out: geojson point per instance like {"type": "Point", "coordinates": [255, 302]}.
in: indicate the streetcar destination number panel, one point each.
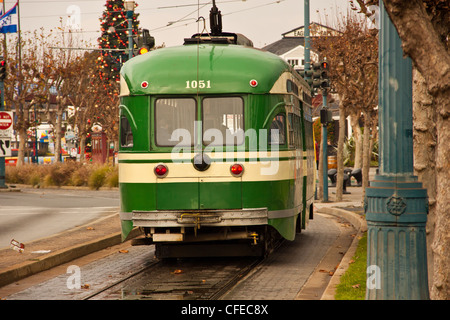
{"type": "Point", "coordinates": [201, 84]}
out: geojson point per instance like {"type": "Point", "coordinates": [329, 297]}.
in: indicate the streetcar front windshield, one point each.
{"type": "Point", "coordinates": [126, 134]}
{"type": "Point", "coordinates": [223, 121]}
{"type": "Point", "coordinates": [174, 122]}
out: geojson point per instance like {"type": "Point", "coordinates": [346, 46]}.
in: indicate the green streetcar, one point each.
{"type": "Point", "coordinates": [216, 148]}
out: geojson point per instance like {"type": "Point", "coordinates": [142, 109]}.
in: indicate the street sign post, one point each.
{"type": "Point", "coordinates": [5, 123]}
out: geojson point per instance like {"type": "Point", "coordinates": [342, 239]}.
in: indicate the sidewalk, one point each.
{"type": "Point", "coordinates": [351, 209]}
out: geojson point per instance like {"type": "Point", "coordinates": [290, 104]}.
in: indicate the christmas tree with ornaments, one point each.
{"type": "Point", "coordinates": [114, 28]}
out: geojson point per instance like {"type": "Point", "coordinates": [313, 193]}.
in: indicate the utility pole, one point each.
{"type": "Point", "coordinates": [307, 38]}
{"type": "Point", "coordinates": [325, 118]}
{"type": "Point", "coordinates": [325, 145]}
{"type": "Point", "coordinates": [396, 205]}
{"type": "Point", "coordinates": [310, 78]}
{"type": "Point", "coordinates": [129, 7]}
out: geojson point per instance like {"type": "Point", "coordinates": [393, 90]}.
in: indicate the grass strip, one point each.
{"type": "Point", "coordinates": [353, 281]}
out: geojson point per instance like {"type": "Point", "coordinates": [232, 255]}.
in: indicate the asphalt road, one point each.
{"type": "Point", "coordinates": [36, 213]}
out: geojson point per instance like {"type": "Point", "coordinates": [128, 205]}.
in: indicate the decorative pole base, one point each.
{"type": "Point", "coordinates": [396, 213]}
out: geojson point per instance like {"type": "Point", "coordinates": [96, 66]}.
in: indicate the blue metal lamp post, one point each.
{"type": "Point", "coordinates": [396, 204]}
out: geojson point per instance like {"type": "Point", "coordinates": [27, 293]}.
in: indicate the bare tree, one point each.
{"type": "Point", "coordinates": [107, 112]}
{"type": "Point", "coordinates": [353, 55]}
{"type": "Point", "coordinates": [61, 72]}
{"type": "Point", "coordinates": [25, 87]}
{"type": "Point", "coordinates": [84, 95]}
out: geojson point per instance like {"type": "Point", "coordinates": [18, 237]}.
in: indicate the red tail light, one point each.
{"type": "Point", "coordinates": [161, 170]}
{"type": "Point", "coordinates": [237, 170]}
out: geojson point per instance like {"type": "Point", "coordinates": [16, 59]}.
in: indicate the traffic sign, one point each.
{"type": "Point", "coordinates": [5, 120]}
{"type": "Point", "coordinates": [6, 127]}
{"type": "Point", "coordinates": [5, 147]}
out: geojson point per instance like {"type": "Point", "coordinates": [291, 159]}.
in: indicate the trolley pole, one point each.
{"type": "Point", "coordinates": [396, 205]}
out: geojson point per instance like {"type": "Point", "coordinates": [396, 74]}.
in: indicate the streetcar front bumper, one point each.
{"type": "Point", "coordinates": [197, 218]}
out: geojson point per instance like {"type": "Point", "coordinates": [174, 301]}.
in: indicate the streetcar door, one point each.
{"type": "Point", "coordinates": [222, 138]}
{"type": "Point", "coordinates": [174, 128]}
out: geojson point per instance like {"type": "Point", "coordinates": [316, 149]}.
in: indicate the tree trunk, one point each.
{"type": "Point", "coordinates": [320, 174]}
{"type": "Point", "coordinates": [441, 244]}
{"type": "Point", "coordinates": [58, 133]}
{"type": "Point", "coordinates": [357, 135]}
{"type": "Point", "coordinates": [424, 133]}
{"type": "Point", "coordinates": [82, 147]}
{"type": "Point", "coordinates": [366, 155]}
{"type": "Point", "coordinates": [22, 128]}
{"type": "Point", "coordinates": [108, 141]}
{"type": "Point", "coordinates": [372, 138]}
{"type": "Point", "coordinates": [22, 145]}
{"type": "Point", "coordinates": [340, 158]}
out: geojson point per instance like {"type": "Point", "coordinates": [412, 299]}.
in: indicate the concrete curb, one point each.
{"type": "Point", "coordinates": [26, 269]}
{"type": "Point", "coordinates": [360, 224]}
{"type": "Point", "coordinates": [9, 189]}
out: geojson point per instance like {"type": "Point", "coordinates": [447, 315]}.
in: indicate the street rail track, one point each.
{"type": "Point", "coordinates": [186, 279]}
{"type": "Point", "coordinates": [98, 292]}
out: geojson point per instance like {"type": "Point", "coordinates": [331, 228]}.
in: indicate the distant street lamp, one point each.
{"type": "Point", "coordinates": [129, 7]}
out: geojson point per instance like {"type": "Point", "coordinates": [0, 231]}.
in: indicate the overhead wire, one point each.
{"type": "Point", "coordinates": [171, 25]}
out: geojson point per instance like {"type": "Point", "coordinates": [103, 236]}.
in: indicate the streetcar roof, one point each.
{"type": "Point", "coordinates": [202, 69]}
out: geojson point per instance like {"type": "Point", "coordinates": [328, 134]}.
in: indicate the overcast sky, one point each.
{"type": "Point", "coordinates": [263, 21]}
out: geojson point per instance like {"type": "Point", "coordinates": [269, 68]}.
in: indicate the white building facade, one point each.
{"type": "Point", "coordinates": [291, 46]}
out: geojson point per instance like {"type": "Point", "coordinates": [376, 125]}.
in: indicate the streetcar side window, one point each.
{"type": "Point", "coordinates": [291, 127]}
{"type": "Point", "coordinates": [174, 122]}
{"type": "Point", "coordinates": [126, 134]}
{"type": "Point", "coordinates": [223, 121]}
{"type": "Point", "coordinates": [277, 133]}
{"type": "Point", "coordinates": [298, 133]}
